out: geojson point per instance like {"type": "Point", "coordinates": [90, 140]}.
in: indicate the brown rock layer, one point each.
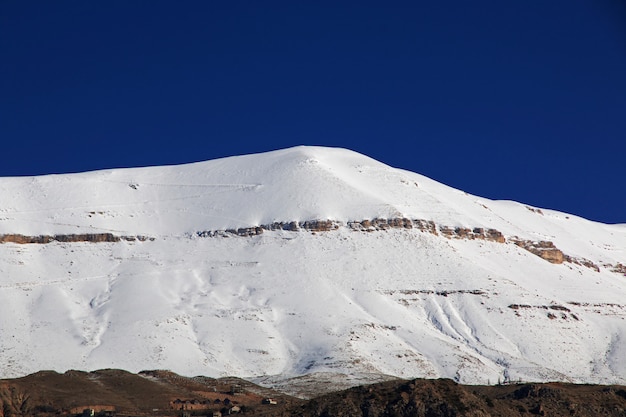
{"type": "Point", "coordinates": [85, 237]}
{"type": "Point", "coordinates": [377, 224]}
{"type": "Point", "coordinates": [544, 249]}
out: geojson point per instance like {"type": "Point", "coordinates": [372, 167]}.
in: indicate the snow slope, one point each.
{"type": "Point", "coordinates": [283, 303]}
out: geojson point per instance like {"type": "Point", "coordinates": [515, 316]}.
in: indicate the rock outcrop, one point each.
{"type": "Point", "coordinates": [619, 268]}
{"type": "Point", "coordinates": [472, 234]}
{"type": "Point", "coordinates": [582, 261]}
{"type": "Point", "coordinates": [544, 249]}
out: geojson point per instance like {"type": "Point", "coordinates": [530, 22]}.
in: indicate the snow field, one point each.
{"type": "Point", "coordinates": [284, 304]}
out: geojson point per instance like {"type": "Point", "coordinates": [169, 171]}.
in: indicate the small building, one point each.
{"type": "Point", "coordinates": [269, 401]}
{"type": "Point", "coordinates": [92, 409]}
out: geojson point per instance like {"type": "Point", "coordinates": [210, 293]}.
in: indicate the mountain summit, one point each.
{"type": "Point", "coordinates": [307, 260]}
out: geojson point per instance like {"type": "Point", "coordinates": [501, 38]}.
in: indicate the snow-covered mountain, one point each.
{"type": "Point", "coordinates": [300, 261]}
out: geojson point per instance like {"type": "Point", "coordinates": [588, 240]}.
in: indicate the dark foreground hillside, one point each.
{"type": "Point", "coordinates": [162, 393]}
{"type": "Point", "coordinates": [112, 392]}
{"type": "Point", "coordinates": [445, 398]}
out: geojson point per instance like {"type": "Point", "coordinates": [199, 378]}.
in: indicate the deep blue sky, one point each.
{"type": "Point", "coordinates": [521, 100]}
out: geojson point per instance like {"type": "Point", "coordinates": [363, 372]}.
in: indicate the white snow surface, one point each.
{"type": "Point", "coordinates": [282, 304]}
